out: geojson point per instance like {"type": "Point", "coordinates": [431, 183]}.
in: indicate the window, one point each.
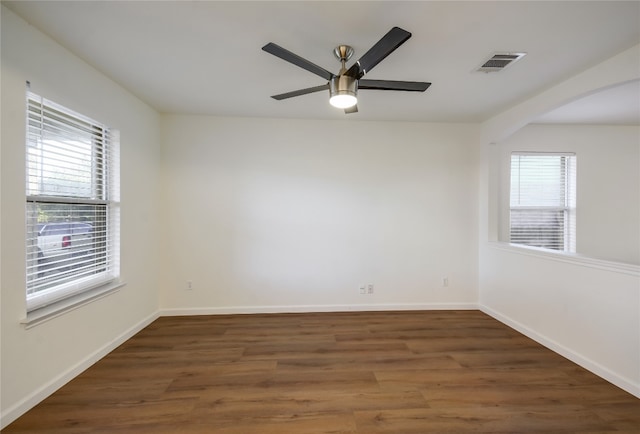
{"type": "Point", "coordinates": [543, 200]}
{"type": "Point", "coordinates": [72, 204]}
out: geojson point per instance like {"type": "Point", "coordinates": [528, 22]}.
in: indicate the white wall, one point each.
{"type": "Point", "coordinates": [587, 310]}
{"type": "Point", "coordinates": [290, 215]}
{"type": "Point", "coordinates": [608, 184]}
{"type": "Point", "coordinates": [586, 313]}
{"type": "Point", "coordinates": [36, 361]}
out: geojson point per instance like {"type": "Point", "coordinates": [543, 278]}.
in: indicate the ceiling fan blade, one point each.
{"type": "Point", "coordinates": [287, 55]}
{"type": "Point", "coordinates": [352, 109]}
{"type": "Point", "coordinates": [385, 46]}
{"type": "Point", "coordinates": [300, 92]}
{"type": "Point", "coordinates": [409, 86]}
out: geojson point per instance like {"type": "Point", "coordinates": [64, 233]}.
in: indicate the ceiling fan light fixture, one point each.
{"type": "Point", "coordinates": [343, 101]}
{"type": "Point", "coordinates": [343, 91]}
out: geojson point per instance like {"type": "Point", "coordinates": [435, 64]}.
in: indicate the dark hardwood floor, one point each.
{"type": "Point", "coordinates": [373, 372]}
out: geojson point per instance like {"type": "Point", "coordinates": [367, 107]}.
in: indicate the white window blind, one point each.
{"type": "Point", "coordinates": [543, 200]}
{"type": "Point", "coordinates": [72, 203]}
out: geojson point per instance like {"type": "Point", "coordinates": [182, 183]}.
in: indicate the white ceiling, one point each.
{"type": "Point", "coordinates": [618, 105]}
{"type": "Point", "coordinates": [205, 57]}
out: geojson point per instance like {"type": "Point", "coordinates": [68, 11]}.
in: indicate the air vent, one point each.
{"type": "Point", "coordinates": [499, 61]}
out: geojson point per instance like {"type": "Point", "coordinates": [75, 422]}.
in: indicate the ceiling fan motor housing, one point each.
{"type": "Point", "coordinates": [343, 88]}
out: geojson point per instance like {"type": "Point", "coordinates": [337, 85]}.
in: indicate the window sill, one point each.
{"type": "Point", "coordinates": [46, 313]}
{"type": "Point", "coordinates": [571, 258]}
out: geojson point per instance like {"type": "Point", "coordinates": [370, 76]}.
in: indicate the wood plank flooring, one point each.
{"type": "Point", "coordinates": [363, 372]}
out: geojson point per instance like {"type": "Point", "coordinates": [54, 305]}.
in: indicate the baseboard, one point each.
{"type": "Point", "coordinates": [619, 381]}
{"type": "Point", "coordinates": [39, 395]}
{"type": "Point", "coordinates": [230, 310]}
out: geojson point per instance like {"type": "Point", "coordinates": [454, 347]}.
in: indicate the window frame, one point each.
{"type": "Point", "coordinates": [566, 202]}
{"type": "Point", "coordinates": [88, 278]}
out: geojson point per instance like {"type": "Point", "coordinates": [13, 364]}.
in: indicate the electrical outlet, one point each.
{"type": "Point", "coordinates": [445, 282]}
{"type": "Point", "coordinates": [370, 288]}
{"type": "Point", "coordinates": [189, 285]}
{"type": "Point", "coordinates": [363, 289]}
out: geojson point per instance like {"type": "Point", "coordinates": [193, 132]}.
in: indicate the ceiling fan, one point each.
{"type": "Point", "coordinates": [343, 87]}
